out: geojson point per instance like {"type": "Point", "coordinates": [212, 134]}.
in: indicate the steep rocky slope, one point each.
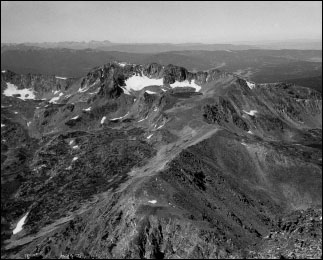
{"type": "Point", "coordinates": [153, 161]}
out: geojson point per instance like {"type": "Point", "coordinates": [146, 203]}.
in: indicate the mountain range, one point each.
{"type": "Point", "coordinates": [302, 67]}
{"type": "Point", "coordinates": [155, 160]}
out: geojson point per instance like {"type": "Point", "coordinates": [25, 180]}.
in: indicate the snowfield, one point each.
{"type": "Point", "coordinates": [139, 82]}
{"type": "Point", "coordinates": [24, 93]}
{"type": "Point", "coordinates": [20, 224]}
{"type": "Point", "coordinates": [186, 83]}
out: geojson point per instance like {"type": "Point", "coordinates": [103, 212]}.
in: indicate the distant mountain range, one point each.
{"type": "Point", "coordinates": [165, 47]}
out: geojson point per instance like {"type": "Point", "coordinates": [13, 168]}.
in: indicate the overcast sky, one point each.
{"type": "Point", "coordinates": [175, 22]}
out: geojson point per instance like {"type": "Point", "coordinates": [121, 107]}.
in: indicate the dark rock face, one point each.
{"type": "Point", "coordinates": [232, 171]}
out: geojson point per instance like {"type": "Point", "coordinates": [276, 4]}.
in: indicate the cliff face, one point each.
{"type": "Point", "coordinates": [152, 161]}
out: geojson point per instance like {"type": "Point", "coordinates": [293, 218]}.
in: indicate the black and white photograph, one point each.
{"type": "Point", "coordinates": [161, 129]}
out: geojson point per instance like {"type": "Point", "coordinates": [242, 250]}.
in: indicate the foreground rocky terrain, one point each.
{"type": "Point", "coordinates": [153, 161]}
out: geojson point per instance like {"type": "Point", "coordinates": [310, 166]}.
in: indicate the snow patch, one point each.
{"type": "Point", "coordinates": [75, 147]}
{"type": "Point", "coordinates": [54, 99]}
{"type": "Point", "coordinates": [152, 201]}
{"type": "Point", "coordinates": [149, 136]}
{"type": "Point", "coordinates": [71, 142]}
{"type": "Point", "coordinates": [25, 93]}
{"type": "Point", "coordinates": [122, 64]}
{"type": "Point", "coordinates": [87, 109]}
{"type": "Point", "coordinates": [139, 82]}
{"type": "Point", "coordinates": [249, 132]}
{"type": "Point", "coordinates": [251, 112]}
{"type": "Point", "coordinates": [151, 92]}
{"type": "Point", "coordinates": [55, 92]}
{"type": "Point", "coordinates": [81, 90]}
{"type": "Point", "coordinates": [20, 224]}
{"type": "Point", "coordinates": [16, 112]}
{"type": "Point", "coordinates": [28, 123]}
{"type": "Point", "coordinates": [76, 117]}
{"type": "Point", "coordinates": [160, 126]}
{"type": "Point", "coordinates": [143, 119]}
{"type": "Point", "coordinates": [125, 91]}
{"type": "Point", "coordinates": [251, 85]}
{"type": "Point", "coordinates": [103, 119]}
{"type": "Point", "coordinates": [75, 158]}
{"type": "Point", "coordinates": [119, 117]}
{"type": "Point", "coordinates": [60, 77]}
{"type": "Point", "coordinates": [2, 125]}
{"type": "Point", "coordinates": [186, 83]}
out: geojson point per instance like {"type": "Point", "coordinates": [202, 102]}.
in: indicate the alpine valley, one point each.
{"type": "Point", "coordinates": [150, 160]}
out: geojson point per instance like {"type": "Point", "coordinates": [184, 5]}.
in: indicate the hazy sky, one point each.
{"type": "Point", "coordinates": [176, 22]}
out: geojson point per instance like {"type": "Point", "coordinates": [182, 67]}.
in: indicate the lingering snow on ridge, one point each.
{"type": "Point", "coordinates": [20, 224]}
{"type": "Point", "coordinates": [139, 82]}
{"type": "Point", "coordinates": [60, 77]}
{"type": "Point", "coordinates": [251, 112]}
{"type": "Point", "coordinates": [160, 126]}
{"type": "Point", "coordinates": [84, 89]}
{"type": "Point", "coordinates": [119, 117]}
{"type": "Point", "coordinates": [103, 119]}
{"type": "Point", "coordinates": [150, 92]}
{"type": "Point", "coordinates": [55, 92]}
{"type": "Point", "coordinates": [251, 85]}
{"type": "Point", "coordinates": [149, 136]}
{"type": "Point", "coordinates": [4, 71]}
{"type": "Point", "coordinates": [143, 119]}
{"type": "Point", "coordinates": [13, 90]}
{"type": "Point", "coordinates": [87, 109]}
{"type": "Point", "coordinates": [152, 201]}
{"type": "Point", "coordinates": [54, 99]}
{"type": "Point", "coordinates": [76, 117]}
{"type": "Point", "coordinates": [2, 125]}
{"type": "Point", "coordinates": [122, 64]}
{"type": "Point", "coordinates": [186, 83]}
{"type": "Point", "coordinates": [125, 91]}
{"type": "Point", "coordinates": [75, 158]}
{"type": "Point", "coordinates": [249, 132]}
